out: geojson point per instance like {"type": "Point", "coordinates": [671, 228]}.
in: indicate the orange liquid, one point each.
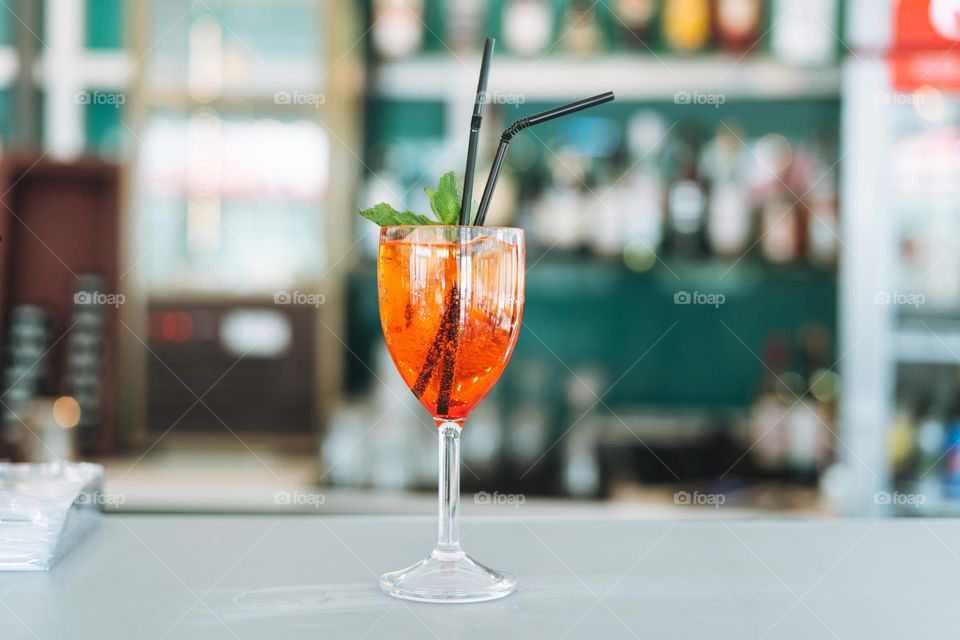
{"type": "Point", "coordinates": [464, 350]}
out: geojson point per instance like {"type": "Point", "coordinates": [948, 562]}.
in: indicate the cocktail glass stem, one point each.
{"type": "Point", "coordinates": [448, 530]}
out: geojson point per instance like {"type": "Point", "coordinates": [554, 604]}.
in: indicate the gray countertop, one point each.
{"type": "Point", "coordinates": [210, 577]}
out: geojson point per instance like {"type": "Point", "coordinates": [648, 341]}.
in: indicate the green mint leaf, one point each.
{"type": "Point", "coordinates": [386, 216]}
{"type": "Point", "coordinates": [445, 201]}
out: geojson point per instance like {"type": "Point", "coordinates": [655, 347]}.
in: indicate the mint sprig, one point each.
{"type": "Point", "coordinates": [444, 203]}
{"type": "Point", "coordinates": [386, 216]}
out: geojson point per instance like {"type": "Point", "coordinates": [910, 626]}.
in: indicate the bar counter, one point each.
{"type": "Point", "coordinates": [291, 576]}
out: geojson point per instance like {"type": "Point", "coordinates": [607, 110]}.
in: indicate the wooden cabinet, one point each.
{"type": "Point", "coordinates": [60, 222]}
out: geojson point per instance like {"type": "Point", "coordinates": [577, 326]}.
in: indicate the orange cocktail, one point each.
{"type": "Point", "coordinates": [451, 301]}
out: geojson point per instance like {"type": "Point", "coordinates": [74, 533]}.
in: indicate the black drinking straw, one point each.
{"type": "Point", "coordinates": [475, 121]}
{"type": "Point", "coordinates": [517, 127]}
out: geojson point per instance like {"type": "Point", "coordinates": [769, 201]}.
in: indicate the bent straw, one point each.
{"type": "Point", "coordinates": [442, 351]}
{"type": "Point", "coordinates": [475, 121]}
{"type": "Point", "coordinates": [517, 127]}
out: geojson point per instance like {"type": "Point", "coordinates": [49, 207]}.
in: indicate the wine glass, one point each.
{"type": "Point", "coordinates": [451, 301]}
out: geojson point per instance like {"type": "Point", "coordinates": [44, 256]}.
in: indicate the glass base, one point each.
{"type": "Point", "coordinates": [448, 577]}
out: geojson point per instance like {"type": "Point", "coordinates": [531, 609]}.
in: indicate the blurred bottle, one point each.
{"type": "Point", "coordinates": [821, 198]}
{"type": "Point", "coordinates": [951, 452]}
{"type": "Point", "coordinates": [768, 427]}
{"type": "Point", "coordinates": [738, 23]}
{"type": "Point", "coordinates": [483, 441]}
{"type": "Point", "coordinates": [823, 383]}
{"type": "Point", "coordinates": [644, 210]}
{"type": "Point", "coordinates": [645, 187]}
{"type": "Point", "coordinates": [931, 438]}
{"type": "Point", "coordinates": [343, 451]}
{"type": "Point", "coordinates": [686, 205]}
{"type": "Point", "coordinates": [637, 20]}
{"type": "Point", "coordinates": [558, 215]}
{"type": "Point", "coordinates": [769, 158]}
{"type": "Point", "coordinates": [25, 369]}
{"type": "Point", "coordinates": [810, 414]}
{"type": "Point", "coordinates": [382, 184]}
{"type": "Point", "coordinates": [902, 437]}
{"type": "Point", "coordinates": [400, 440]}
{"type": "Point", "coordinates": [392, 458]}
{"type": "Point", "coordinates": [582, 473]}
{"type": "Point", "coordinates": [780, 228]}
{"type": "Point", "coordinates": [580, 30]}
{"type": "Point", "coordinates": [464, 22]}
{"type": "Point", "coordinates": [529, 429]}
{"type": "Point", "coordinates": [397, 27]}
{"type": "Point", "coordinates": [805, 434]}
{"type": "Point", "coordinates": [728, 215]}
{"type": "Point", "coordinates": [804, 31]}
{"type": "Point", "coordinates": [50, 423]}
{"type": "Point", "coordinates": [782, 215]}
{"type": "Point", "coordinates": [83, 356]}
{"type": "Point", "coordinates": [527, 438]}
{"type": "Point", "coordinates": [686, 25]}
{"type": "Point", "coordinates": [527, 26]}
{"type": "Point", "coordinates": [607, 234]}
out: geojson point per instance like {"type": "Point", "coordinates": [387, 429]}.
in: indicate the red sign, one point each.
{"type": "Point", "coordinates": [926, 25]}
{"type": "Point", "coordinates": [926, 48]}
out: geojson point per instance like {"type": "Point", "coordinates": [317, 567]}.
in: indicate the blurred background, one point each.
{"type": "Point", "coordinates": [743, 282]}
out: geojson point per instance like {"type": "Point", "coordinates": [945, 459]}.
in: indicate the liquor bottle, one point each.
{"type": "Point", "coordinates": [464, 22]}
{"type": "Point", "coordinates": [686, 25]}
{"type": "Point", "coordinates": [804, 31]}
{"type": "Point", "coordinates": [607, 233]}
{"type": "Point", "coordinates": [686, 205]}
{"type": "Point", "coordinates": [767, 431]}
{"type": "Point", "coordinates": [805, 435]}
{"type": "Point", "coordinates": [379, 186]}
{"type": "Point", "coordinates": [779, 228]}
{"type": "Point", "coordinates": [558, 216]}
{"type": "Point", "coordinates": [580, 31]}
{"type": "Point", "coordinates": [644, 211]}
{"type": "Point", "coordinates": [901, 439]}
{"type": "Point", "coordinates": [951, 451]}
{"type": "Point", "coordinates": [343, 450]}
{"type": "Point", "coordinates": [645, 203]}
{"type": "Point", "coordinates": [728, 210]}
{"type": "Point", "coordinates": [781, 213]}
{"type": "Point", "coordinates": [83, 357]}
{"type": "Point", "coordinates": [529, 432]}
{"type": "Point", "coordinates": [397, 27]}
{"type": "Point", "coordinates": [928, 472]}
{"type": "Point", "coordinates": [582, 473]}
{"type": "Point", "coordinates": [738, 23]}
{"type": "Point", "coordinates": [771, 157]}
{"type": "Point", "coordinates": [527, 26]}
{"type": "Point", "coordinates": [809, 418]}
{"type": "Point", "coordinates": [483, 447]}
{"type": "Point", "coordinates": [395, 446]}
{"type": "Point", "coordinates": [637, 21]}
{"type": "Point", "coordinates": [25, 369]}
{"type": "Point", "coordinates": [823, 229]}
